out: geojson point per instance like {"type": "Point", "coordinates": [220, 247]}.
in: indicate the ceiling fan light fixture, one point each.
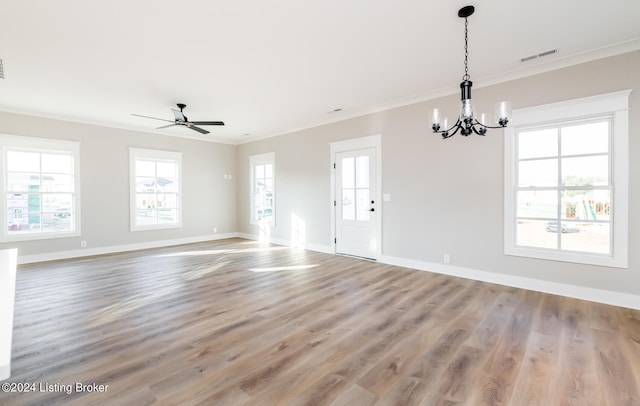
{"type": "Point", "coordinates": [467, 122]}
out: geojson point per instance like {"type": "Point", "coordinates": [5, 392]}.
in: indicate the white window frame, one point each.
{"type": "Point", "coordinates": [261, 159]}
{"type": "Point", "coordinates": [158, 156]}
{"type": "Point", "coordinates": [40, 145]}
{"type": "Point", "coordinates": [614, 104]}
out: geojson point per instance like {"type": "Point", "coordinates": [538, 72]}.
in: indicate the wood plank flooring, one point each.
{"type": "Point", "coordinates": [232, 322]}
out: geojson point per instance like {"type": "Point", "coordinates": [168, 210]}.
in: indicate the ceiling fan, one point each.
{"type": "Point", "coordinates": [181, 119]}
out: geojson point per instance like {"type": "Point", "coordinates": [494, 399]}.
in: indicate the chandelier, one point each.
{"type": "Point", "coordinates": [467, 122]}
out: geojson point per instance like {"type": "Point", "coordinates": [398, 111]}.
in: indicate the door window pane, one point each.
{"type": "Point", "coordinates": [362, 172]}
{"type": "Point", "coordinates": [348, 173]}
{"type": "Point", "coordinates": [348, 204]}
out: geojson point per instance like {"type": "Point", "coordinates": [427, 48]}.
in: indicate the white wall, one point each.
{"type": "Point", "coordinates": [447, 196]}
{"type": "Point", "coordinates": [209, 200]}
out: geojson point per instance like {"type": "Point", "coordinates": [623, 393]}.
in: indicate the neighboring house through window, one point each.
{"type": "Point", "coordinates": [41, 188]}
{"type": "Point", "coordinates": [566, 193]}
{"type": "Point", "coordinates": [156, 198]}
{"type": "Point", "coordinates": [262, 169]}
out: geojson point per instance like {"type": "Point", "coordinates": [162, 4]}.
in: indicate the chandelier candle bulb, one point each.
{"type": "Point", "coordinates": [435, 118]}
{"type": "Point", "coordinates": [484, 120]}
{"type": "Point", "coordinates": [504, 113]}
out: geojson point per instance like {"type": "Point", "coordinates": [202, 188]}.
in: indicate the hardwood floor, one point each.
{"type": "Point", "coordinates": [231, 323]}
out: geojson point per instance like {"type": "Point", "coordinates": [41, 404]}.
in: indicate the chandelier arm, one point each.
{"type": "Point", "coordinates": [482, 131]}
{"type": "Point", "coordinates": [456, 126]}
{"type": "Point", "coordinates": [489, 126]}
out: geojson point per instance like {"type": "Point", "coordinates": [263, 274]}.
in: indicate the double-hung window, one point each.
{"type": "Point", "coordinates": [263, 197]}
{"type": "Point", "coordinates": [566, 168]}
{"type": "Point", "coordinates": [40, 185]}
{"type": "Point", "coordinates": [156, 198]}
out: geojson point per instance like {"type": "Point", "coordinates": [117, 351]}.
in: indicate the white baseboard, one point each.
{"type": "Point", "coordinates": [555, 288]}
{"type": "Point", "coordinates": [87, 252]}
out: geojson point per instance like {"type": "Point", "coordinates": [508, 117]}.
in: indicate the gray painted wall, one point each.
{"type": "Point", "coordinates": [208, 199]}
{"type": "Point", "coordinates": [447, 196]}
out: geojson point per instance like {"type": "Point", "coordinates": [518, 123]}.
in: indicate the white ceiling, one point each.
{"type": "Point", "coordinates": [270, 67]}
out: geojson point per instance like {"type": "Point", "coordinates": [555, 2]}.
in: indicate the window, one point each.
{"type": "Point", "coordinates": [262, 188]}
{"type": "Point", "coordinates": [566, 181]}
{"type": "Point", "coordinates": [40, 184]}
{"type": "Point", "coordinates": [155, 189]}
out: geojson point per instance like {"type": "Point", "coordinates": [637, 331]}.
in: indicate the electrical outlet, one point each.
{"type": "Point", "coordinates": [83, 244]}
{"type": "Point", "coordinates": [447, 258]}
{"type": "Point", "coordinates": [215, 230]}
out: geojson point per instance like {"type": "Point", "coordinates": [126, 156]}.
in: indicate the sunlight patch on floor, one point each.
{"type": "Point", "coordinates": [215, 252]}
{"type": "Point", "coordinates": [204, 270]}
{"type": "Point", "coordinates": [120, 309]}
{"type": "Point", "coordinates": [284, 268]}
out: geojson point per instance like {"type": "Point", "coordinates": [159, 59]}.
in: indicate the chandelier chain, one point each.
{"type": "Point", "coordinates": [466, 52]}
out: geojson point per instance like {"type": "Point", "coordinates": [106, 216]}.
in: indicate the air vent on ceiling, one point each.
{"type": "Point", "coordinates": [540, 55]}
{"type": "Point", "coordinates": [1, 70]}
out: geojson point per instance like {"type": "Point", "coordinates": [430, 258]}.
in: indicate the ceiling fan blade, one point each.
{"type": "Point", "coordinates": [166, 126]}
{"type": "Point", "coordinates": [154, 118]}
{"type": "Point", "coordinates": [198, 129]}
{"type": "Point", "coordinates": [178, 115]}
{"type": "Point", "coordinates": [207, 122]}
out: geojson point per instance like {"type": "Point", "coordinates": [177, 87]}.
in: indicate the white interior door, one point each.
{"type": "Point", "coordinates": [356, 206]}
